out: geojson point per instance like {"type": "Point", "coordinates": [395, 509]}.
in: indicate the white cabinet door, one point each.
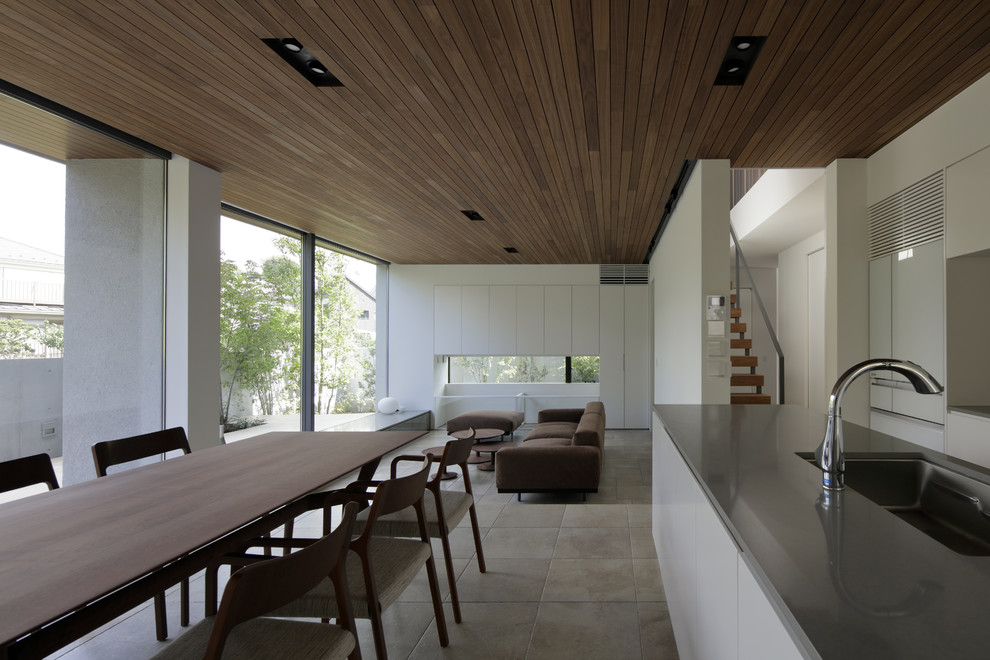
{"type": "Point", "coordinates": [880, 317]}
{"type": "Point", "coordinates": [917, 325]}
{"type": "Point", "coordinates": [762, 634]}
{"type": "Point", "coordinates": [584, 324]}
{"type": "Point", "coordinates": [529, 320]}
{"type": "Point", "coordinates": [966, 226]}
{"type": "Point", "coordinates": [474, 320]}
{"type": "Point", "coordinates": [968, 437]}
{"type": "Point", "coordinates": [611, 373]}
{"type": "Point", "coordinates": [636, 385]}
{"type": "Point", "coordinates": [557, 320]}
{"type": "Point", "coordinates": [502, 319]}
{"type": "Point", "coordinates": [446, 320]}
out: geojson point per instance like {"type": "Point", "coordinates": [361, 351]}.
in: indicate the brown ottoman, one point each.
{"type": "Point", "coordinates": [506, 420]}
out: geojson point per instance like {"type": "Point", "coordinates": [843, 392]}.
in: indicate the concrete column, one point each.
{"type": "Point", "coordinates": [192, 322]}
{"type": "Point", "coordinates": [114, 246]}
{"type": "Point", "coordinates": [847, 281]}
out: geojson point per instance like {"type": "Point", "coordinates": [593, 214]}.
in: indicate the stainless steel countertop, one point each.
{"type": "Point", "coordinates": [859, 582]}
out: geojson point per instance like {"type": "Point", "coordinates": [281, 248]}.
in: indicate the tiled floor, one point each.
{"type": "Point", "coordinates": [566, 579]}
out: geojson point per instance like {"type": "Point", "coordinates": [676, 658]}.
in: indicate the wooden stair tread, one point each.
{"type": "Point", "coordinates": [745, 360]}
{"type": "Point", "coordinates": [741, 343]}
{"type": "Point", "coordinates": [746, 380]}
{"type": "Point", "coordinates": [749, 398]}
{"type": "Point", "coordinates": [735, 312]}
{"type": "Point", "coordinates": [737, 327]}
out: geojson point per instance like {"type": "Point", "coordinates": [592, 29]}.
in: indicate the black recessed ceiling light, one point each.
{"type": "Point", "coordinates": [738, 60]}
{"type": "Point", "coordinates": [511, 250]}
{"type": "Point", "coordinates": [472, 215]}
{"type": "Point", "coordinates": [303, 61]}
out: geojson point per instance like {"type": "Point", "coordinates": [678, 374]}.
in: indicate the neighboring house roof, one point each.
{"type": "Point", "coordinates": [12, 251]}
{"type": "Point", "coordinates": [359, 287]}
{"type": "Point", "coordinates": [22, 309]}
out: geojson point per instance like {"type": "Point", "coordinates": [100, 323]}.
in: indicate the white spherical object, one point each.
{"type": "Point", "coordinates": [388, 405]}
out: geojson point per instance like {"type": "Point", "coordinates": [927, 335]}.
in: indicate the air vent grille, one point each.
{"type": "Point", "coordinates": [609, 274]}
{"type": "Point", "coordinates": [908, 218]}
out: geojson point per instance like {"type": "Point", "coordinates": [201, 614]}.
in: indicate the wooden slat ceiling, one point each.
{"type": "Point", "coordinates": [563, 122]}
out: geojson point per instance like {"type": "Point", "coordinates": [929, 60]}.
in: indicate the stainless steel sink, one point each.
{"type": "Point", "coordinates": [949, 507]}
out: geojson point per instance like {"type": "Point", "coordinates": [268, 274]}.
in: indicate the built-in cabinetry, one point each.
{"type": "Point", "coordinates": [907, 316]}
{"type": "Point", "coordinates": [625, 365]}
{"type": "Point", "coordinates": [718, 608]}
{"type": "Point", "coordinates": [967, 434]}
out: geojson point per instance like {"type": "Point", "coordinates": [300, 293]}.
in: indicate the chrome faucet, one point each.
{"type": "Point", "coordinates": [829, 455]}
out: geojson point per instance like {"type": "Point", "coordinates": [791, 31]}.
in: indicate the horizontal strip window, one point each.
{"type": "Point", "coordinates": [475, 369]}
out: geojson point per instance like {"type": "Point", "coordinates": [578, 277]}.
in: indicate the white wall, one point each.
{"type": "Point", "coordinates": [690, 262]}
{"type": "Point", "coordinates": [31, 391]}
{"type": "Point", "coordinates": [192, 351]}
{"type": "Point", "coordinates": [793, 303]}
{"type": "Point", "coordinates": [951, 133]}
{"type": "Point", "coordinates": [414, 376]}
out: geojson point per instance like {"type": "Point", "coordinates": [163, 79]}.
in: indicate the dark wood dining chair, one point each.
{"type": "Point", "coordinates": [384, 565]}
{"type": "Point", "coordinates": [27, 471]}
{"type": "Point", "coordinates": [109, 453]}
{"type": "Point", "coordinates": [240, 629]}
{"type": "Point", "coordinates": [444, 510]}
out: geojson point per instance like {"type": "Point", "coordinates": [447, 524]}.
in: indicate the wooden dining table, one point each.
{"type": "Point", "coordinates": [75, 558]}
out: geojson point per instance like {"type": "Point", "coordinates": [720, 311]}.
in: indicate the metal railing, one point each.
{"type": "Point", "coordinates": [740, 259]}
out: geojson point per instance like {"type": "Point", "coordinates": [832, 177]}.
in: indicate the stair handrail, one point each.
{"type": "Point", "coordinates": [740, 258]}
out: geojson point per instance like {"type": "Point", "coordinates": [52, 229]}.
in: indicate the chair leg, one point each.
{"type": "Point", "coordinates": [449, 564]}
{"type": "Point", "coordinates": [184, 603]}
{"type": "Point", "coordinates": [289, 529]}
{"type": "Point", "coordinates": [161, 623]}
{"type": "Point", "coordinates": [431, 572]}
{"type": "Point", "coordinates": [477, 537]}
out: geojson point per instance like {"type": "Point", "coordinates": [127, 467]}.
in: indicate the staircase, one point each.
{"type": "Point", "coordinates": [751, 379]}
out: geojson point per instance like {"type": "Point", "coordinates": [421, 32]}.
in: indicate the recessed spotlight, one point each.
{"type": "Point", "coordinates": [511, 250]}
{"type": "Point", "coordinates": [473, 215]}
{"type": "Point", "coordinates": [303, 61]}
{"type": "Point", "coordinates": [738, 60]}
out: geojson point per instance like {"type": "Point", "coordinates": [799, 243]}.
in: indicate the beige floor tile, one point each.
{"type": "Point", "coordinates": [640, 515]}
{"type": "Point", "coordinates": [593, 542]}
{"type": "Point", "coordinates": [643, 546]}
{"type": "Point", "coordinates": [566, 631]}
{"type": "Point", "coordinates": [656, 633]}
{"type": "Point", "coordinates": [488, 630]}
{"type": "Point", "coordinates": [580, 580]}
{"type": "Point", "coordinates": [595, 515]}
{"type": "Point", "coordinates": [505, 581]}
{"type": "Point", "coordinates": [520, 542]}
{"type": "Point", "coordinates": [530, 515]}
{"type": "Point", "coordinates": [649, 585]}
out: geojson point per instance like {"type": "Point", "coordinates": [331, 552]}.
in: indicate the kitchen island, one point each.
{"type": "Point", "coordinates": [756, 563]}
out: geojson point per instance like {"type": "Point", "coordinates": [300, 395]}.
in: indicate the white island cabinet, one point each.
{"type": "Point", "coordinates": [718, 609]}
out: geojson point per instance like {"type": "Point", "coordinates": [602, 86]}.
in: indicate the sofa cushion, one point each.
{"type": "Point", "coordinates": [548, 442]}
{"type": "Point", "coordinates": [505, 420]}
{"type": "Point", "coordinates": [552, 430]}
{"type": "Point", "coordinates": [590, 431]}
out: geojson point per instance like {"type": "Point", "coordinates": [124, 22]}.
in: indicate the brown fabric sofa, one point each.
{"type": "Point", "coordinates": [562, 454]}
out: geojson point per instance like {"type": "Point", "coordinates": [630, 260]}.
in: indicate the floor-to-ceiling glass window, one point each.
{"type": "Point", "coordinates": [260, 327]}
{"type": "Point", "coordinates": [344, 318]}
{"type": "Point", "coordinates": [81, 285]}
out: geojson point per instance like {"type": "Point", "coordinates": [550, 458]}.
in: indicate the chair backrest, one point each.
{"type": "Point", "coordinates": [115, 452]}
{"type": "Point", "coordinates": [27, 471]}
{"type": "Point", "coordinates": [257, 589]}
{"type": "Point", "coordinates": [399, 492]}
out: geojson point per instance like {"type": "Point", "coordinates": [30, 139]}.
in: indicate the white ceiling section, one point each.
{"type": "Point", "coordinates": [783, 208]}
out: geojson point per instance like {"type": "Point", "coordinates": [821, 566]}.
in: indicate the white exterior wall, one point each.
{"type": "Point", "coordinates": [32, 394]}
{"type": "Point", "coordinates": [114, 246]}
